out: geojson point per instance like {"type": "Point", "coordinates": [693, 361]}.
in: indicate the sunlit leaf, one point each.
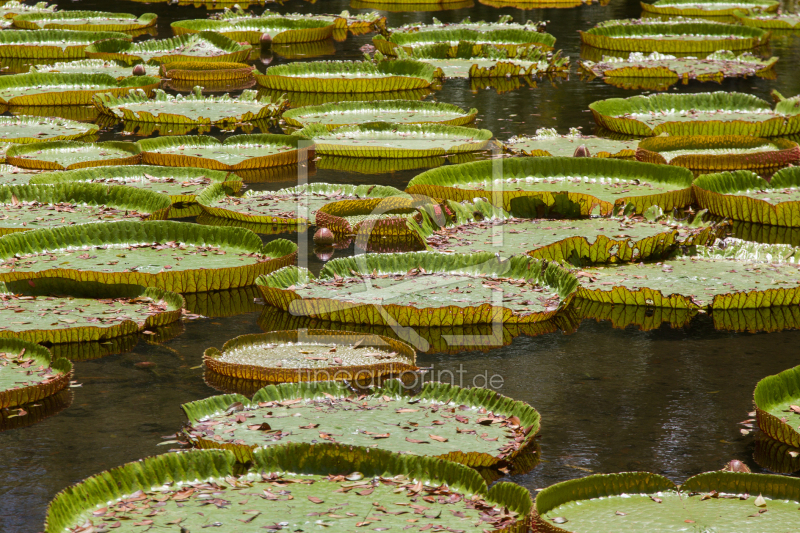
{"type": "Point", "coordinates": [281, 30]}
{"type": "Point", "coordinates": [203, 46]}
{"type": "Point", "coordinates": [777, 401]}
{"type": "Point", "coordinates": [29, 373]}
{"type": "Point", "coordinates": [95, 21]}
{"type": "Point", "coordinates": [394, 111]}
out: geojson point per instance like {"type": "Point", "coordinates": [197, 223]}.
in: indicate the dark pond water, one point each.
{"type": "Point", "coordinates": [667, 401]}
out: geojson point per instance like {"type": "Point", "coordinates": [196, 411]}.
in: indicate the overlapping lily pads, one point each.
{"type": "Point", "coordinates": [29, 373]}
{"type": "Point", "coordinates": [281, 30]}
{"type": "Point", "coordinates": [53, 44]}
{"type": "Point", "coordinates": [24, 129]}
{"type": "Point", "coordinates": [116, 69]}
{"type": "Point", "coordinates": [713, 67]}
{"type": "Point", "coordinates": [783, 21]}
{"type": "Point", "coordinates": [71, 155]}
{"type": "Point", "coordinates": [348, 76]}
{"type": "Point", "coordinates": [714, 153]}
{"type": "Point", "coordinates": [371, 220]}
{"type": "Point", "coordinates": [740, 275]}
{"type": "Point", "coordinates": [394, 111]}
{"type": "Point", "coordinates": [532, 187]}
{"type": "Point", "coordinates": [240, 152]}
{"type": "Point", "coordinates": [510, 40]}
{"type": "Point", "coordinates": [596, 240]}
{"type": "Point", "coordinates": [85, 21]}
{"type": "Point", "coordinates": [384, 139]}
{"type": "Point", "coordinates": [221, 111]}
{"type": "Point", "coordinates": [30, 207]}
{"type": "Point", "coordinates": [205, 46]}
{"type": "Point", "coordinates": [291, 206]}
{"type": "Point", "coordinates": [682, 37]}
{"type": "Point", "coordinates": [314, 476]}
{"type": "Point", "coordinates": [706, 8]}
{"type": "Point", "coordinates": [12, 8]}
{"type": "Point", "coordinates": [311, 355]}
{"type": "Point", "coordinates": [182, 185]}
{"type": "Point", "coordinates": [57, 310]}
{"type": "Point", "coordinates": [459, 415]}
{"type": "Point", "coordinates": [168, 255]}
{"type": "Point", "coordinates": [743, 195]}
{"type": "Point", "coordinates": [637, 501]}
{"type": "Point", "coordinates": [547, 142]}
{"type": "Point", "coordinates": [717, 113]}
{"type": "Point", "coordinates": [423, 289]}
{"type": "Point", "coordinates": [60, 89]}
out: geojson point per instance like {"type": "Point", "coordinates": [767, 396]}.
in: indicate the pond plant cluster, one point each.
{"type": "Point", "coordinates": [686, 204]}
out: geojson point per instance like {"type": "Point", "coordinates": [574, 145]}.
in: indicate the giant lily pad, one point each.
{"type": "Point", "coordinates": [311, 355]}
{"type": "Point", "coordinates": [739, 276]}
{"type": "Point", "coordinates": [301, 412]}
{"type": "Point", "coordinates": [777, 411]}
{"type": "Point", "coordinates": [11, 175]}
{"type": "Point", "coordinates": [30, 207]}
{"type": "Point", "coordinates": [505, 22]}
{"type": "Point", "coordinates": [348, 76]}
{"type": "Point", "coordinates": [222, 111]}
{"type": "Point", "coordinates": [742, 195]}
{"type": "Point", "coordinates": [115, 69]}
{"type": "Point", "coordinates": [207, 72]}
{"type": "Point", "coordinates": [420, 289]}
{"type": "Point", "coordinates": [706, 8]}
{"type": "Point", "coordinates": [347, 477]}
{"type": "Point", "coordinates": [639, 501]}
{"type": "Point", "coordinates": [238, 14]}
{"type": "Point", "coordinates": [23, 129]}
{"type": "Point", "coordinates": [11, 9]}
{"type": "Point", "coordinates": [597, 240]}
{"type": "Point", "coordinates": [714, 67]}
{"type": "Point", "coordinates": [378, 166]}
{"type": "Point", "coordinates": [169, 255]}
{"type": "Point", "coordinates": [290, 206]}
{"type": "Point", "coordinates": [240, 152]}
{"type": "Point", "coordinates": [70, 155]}
{"type": "Point", "coordinates": [395, 217]}
{"type": "Point", "coordinates": [204, 46]}
{"type": "Point", "coordinates": [182, 185]}
{"type": "Point", "coordinates": [53, 44]}
{"type": "Point", "coordinates": [718, 113]}
{"type": "Point", "coordinates": [534, 186]}
{"type": "Point", "coordinates": [56, 310]}
{"type": "Point", "coordinates": [547, 142]}
{"type": "Point", "coordinates": [684, 37]}
{"type": "Point", "coordinates": [511, 40]}
{"type": "Point", "coordinates": [384, 139]}
{"type": "Point", "coordinates": [95, 21]}
{"type": "Point", "coordinates": [714, 153]}
{"type": "Point", "coordinates": [282, 30]}
{"type": "Point", "coordinates": [29, 373]}
{"type": "Point", "coordinates": [783, 21]}
{"type": "Point", "coordinates": [57, 89]}
{"type": "Point", "coordinates": [394, 111]}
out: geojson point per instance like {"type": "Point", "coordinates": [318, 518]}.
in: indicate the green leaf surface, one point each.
{"type": "Point", "coordinates": [24, 129]}
{"type": "Point", "coordinates": [282, 30]}
{"type": "Point", "coordinates": [777, 401]}
{"type": "Point", "coordinates": [532, 187]}
{"type": "Point", "coordinates": [85, 21]}
{"type": "Point", "coordinates": [203, 46]}
{"type": "Point", "coordinates": [62, 89]}
{"type": "Point", "coordinates": [169, 255]}
{"type": "Point", "coordinates": [692, 8]}
{"type": "Point", "coordinates": [547, 142]}
{"type": "Point", "coordinates": [739, 276]}
{"type": "Point", "coordinates": [180, 184]}
{"type": "Point", "coordinates": [211, 73]}
{"type": "Point", "coordinates": [294, 205]}
{"type": "Point", "coordinates": [239, 152]}
{"type": "Point", "coordinates": [454, 289]}
{"type": "Point", "coordinates": [318, 484]}
{"type": "Point", "coordinates": [393, 111]}
{"type": "Point", "coordinates": [478, 432]}
{"type": "Point", "coordinates": [378, 166]}
{"type": "Point", "coordinates": [52, 44]}
{"type": "Point", "coordinates": [348, 76]}
{"type": "Point", "coordinates": [28, 373]}
{"type": "Point", "coordinates": [713, 67]}
{"type": "Point", "coordinates": [191, 109]}
{"type": "Point", "coordinates": [783, 21]}
{"type": "Point", "coordinates": [60, 310]}
{"type": "Point", "coordinates": [12, 8]}
{"type": "Point", "coordinates": [718, 113]}
{"type": "Point", "coordinates": [29, 207]}
{"type": "Point", "coordinates": [69, 155]}
{"type": "Point", "coordinates": [384, 139]}
{"type": "Point", "coordinates": [510, 38]}
{"type": "Point", "coordinates": [11, 175]}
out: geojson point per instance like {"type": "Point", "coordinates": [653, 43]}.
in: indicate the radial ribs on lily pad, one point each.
{"type": "Point", "coordinates": [29, 373]}
{"type": "Point", "coordinates": [777, 400]}
{"type": "Point", "coordinates": [203, 46]}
